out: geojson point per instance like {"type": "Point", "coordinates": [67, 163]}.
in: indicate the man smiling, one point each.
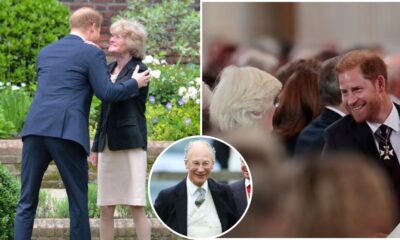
{"type": "Point", "coordinates": [372, 127]}
{"type": "Point", "coordinates": [198, 206]}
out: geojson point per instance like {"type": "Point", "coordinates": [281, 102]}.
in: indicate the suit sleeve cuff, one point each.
{"type": "Point", "coordinates": [135, 87]}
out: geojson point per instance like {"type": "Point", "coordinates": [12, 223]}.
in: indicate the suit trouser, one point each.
{"type": "Point", "coordinates": [71, 161]}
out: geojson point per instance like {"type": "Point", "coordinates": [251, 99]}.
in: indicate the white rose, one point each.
{"type": "Point", "coordinates": [156, 73]}
{"type": "Point", "coordinates": [156, 61]}
{"type": "Point", "coordinates": [192, 92]}
{"type": "Point", "coordinates": [185, 98]}
{"type": "Point", "coordinates": [181, 91]}
{"type": "Point", "coordinates": [198, 81]}
{"type": "Point", "coordinates": [148, 59]}
{"type": "Point", "coordinates": [164, 62]}
{"type": "Point", "coordinates": [14, 87]}
{"type": "Point", "coordinates": [23, 85]}
{"type": "Point", "coordinates": [198, 101]}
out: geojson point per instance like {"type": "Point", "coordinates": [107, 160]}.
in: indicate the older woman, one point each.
{"type": "Point", "coordinates": [120, 143]}
{"type": "Point", "coordinates": [243, 98]}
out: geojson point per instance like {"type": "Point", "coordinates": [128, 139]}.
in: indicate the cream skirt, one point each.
{"type": "Point", "coordinates": [121, 177]}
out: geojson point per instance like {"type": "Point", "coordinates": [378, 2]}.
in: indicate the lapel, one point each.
{"type": "Point", "coordinates": [243, 194]}
{"type": "Point", "coordinates": [366, 140]}
{"type": "Point", "coordinates": [127, 70]}
{"type": "Point", "coordinates": [220, 205]}
{"type": "Point", "coordinates": [181, 207]}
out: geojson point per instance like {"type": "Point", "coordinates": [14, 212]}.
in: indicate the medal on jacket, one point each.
{"type": "Point", "coordinates": [386, 153]}
{"type": "Point", "coordinates": [385, 148]}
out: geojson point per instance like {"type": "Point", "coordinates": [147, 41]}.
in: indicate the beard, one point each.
{"type": "Point", "coordinates": [368, 112]}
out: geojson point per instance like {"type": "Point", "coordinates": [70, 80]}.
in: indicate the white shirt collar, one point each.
{"type": "Point", "coordinates": [391, 121]}
{"type": "Point", "coordinates": [77, 34]}
{"type": "Point", "coordinates": [336, 110]}
{"type": "Point", "coordinates": [192, 188]}
{"type": "Point", "coordinates": [394, 99]}
{"type": "Point", "coordinates": [247, 182]}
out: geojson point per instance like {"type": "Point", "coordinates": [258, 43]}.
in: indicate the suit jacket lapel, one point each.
{"type": "Point", "coordinates": [181, 207]}
{"type": "Point", "coordinates": [124, 71]}
{"type": "Point", "coordinates": [112, 66]}
{"type": "Point", "coordinates": [127, 69]}
{"type": "Point", "coordinates": [243, 194]}
{"type": "Point", "coordinates": [366, 140]}
{"type": "Point", "coordinates": [218, 202]}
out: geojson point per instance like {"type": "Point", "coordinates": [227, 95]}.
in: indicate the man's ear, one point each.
{"type": "Point", "coordinates": [93, 27]}
{"type": "Point", "coordinates": [381, 81]}
{"type": "Point", "coordinates": [186, 164]}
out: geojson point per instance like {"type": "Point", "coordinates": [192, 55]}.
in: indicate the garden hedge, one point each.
{"type": "Point", "coordinates": [9, 192]}
{"type": "Point", "coordinates": [26, 27]}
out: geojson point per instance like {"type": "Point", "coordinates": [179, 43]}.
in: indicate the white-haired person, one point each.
{"type": "Point", "coordinates": [198, 206]}
{"type": "Point", "coordinates": [243, 98]}
{"type": "Point", "coordinates": [120, 145]}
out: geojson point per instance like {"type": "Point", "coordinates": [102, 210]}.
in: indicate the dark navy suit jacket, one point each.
{"type": "Point", "coordinates": [311, 139]}
{"type": "Point", "coordinates": [69, 71]}
{"type": "Point", "coordinates": [346, 135]}
{"type": "Point", "coordinates": [171, 206]}
{"type": "Point", "coordinates": [124, 122]}
{"type": "Point", "coordinates": [240, 194]}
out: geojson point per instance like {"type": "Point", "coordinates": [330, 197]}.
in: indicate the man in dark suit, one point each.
{"type": "Point", "coordinates": [311, 138]}
{"type": "Point", "coordinates": [56, 127]}
{"type": "Point", "coordinates": [372, 128]}
{"type": "Point", "coordinates": [242, 190]}
{"type": "Point", "coordinates": [198, 206]}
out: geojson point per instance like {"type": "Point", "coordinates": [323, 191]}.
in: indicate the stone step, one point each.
{"type": "Point", "coordinates": [10, 157]}
{"type": "Point", "coordinates": [58, 229]}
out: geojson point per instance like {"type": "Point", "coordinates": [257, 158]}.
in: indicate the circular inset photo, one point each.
{"type": "Point", "coordinates": [200, 187]}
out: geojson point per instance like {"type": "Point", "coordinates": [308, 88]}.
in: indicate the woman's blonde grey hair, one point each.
{"type": "Point", "coordinates": [135, 35]}
{"type": "Point", "coordinates": [242, 97]}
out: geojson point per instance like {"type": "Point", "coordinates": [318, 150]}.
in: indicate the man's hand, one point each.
{"type": "Point", "coordinates": [94, 157]}
{"type": "Point", "coordinates": [142, 78]}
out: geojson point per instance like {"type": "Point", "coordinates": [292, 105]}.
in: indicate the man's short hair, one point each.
{"type": "Point", "coordinates": [329, 84]}
{"type": "Point", "coordinates": [371, 64]}
{"type": "Point", "coordinates": [84, 17]}
{"type": "Point", "coordinates": [190, 144]}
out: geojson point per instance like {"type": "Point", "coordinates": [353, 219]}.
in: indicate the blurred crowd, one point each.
{"type": "Point", "coordinates": [274, 103]}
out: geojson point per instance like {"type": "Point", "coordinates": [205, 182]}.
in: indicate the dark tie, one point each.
{"type": "Point", "coordinates": [388, 159]}
{"type": "Point", "coordinates": [202, 196]}
{"type": "Point", "coordinates": [386, 151]}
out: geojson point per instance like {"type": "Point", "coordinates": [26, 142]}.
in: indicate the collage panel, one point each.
{"type": "Point", "coordinates": [194, 119]}
{"type": "Point", "coordinates": [200, 187]}
{"type": "Point", "coordinates": [307, 93]}
{"type": "Point", "coordinates": [91, 92]}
